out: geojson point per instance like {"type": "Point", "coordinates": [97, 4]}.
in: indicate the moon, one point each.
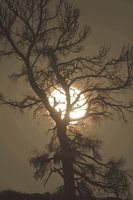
{"type": "Point", "coordinates": [57, 100]}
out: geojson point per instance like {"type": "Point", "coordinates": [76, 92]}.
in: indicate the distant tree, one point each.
{"type": "Point", "coordinates": [48, 45]}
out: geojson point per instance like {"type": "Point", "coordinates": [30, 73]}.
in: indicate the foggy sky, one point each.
{"type": "Point", "coordinates": [111, 25]}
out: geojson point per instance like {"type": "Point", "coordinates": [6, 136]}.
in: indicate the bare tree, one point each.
{"type": "Point", "coordinates": [47, 43]}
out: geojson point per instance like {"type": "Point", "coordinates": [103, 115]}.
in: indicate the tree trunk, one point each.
{"type": "Point", "coordinates": [67, 164]}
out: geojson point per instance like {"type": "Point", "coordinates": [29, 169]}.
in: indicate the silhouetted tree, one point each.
{"type": "Point", "coordinates": [93, 178]}
{"type": "Point", "coordinates": [48, 44]}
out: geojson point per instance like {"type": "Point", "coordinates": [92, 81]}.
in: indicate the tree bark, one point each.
{"type": "Point", "coordinates": [67, 164]}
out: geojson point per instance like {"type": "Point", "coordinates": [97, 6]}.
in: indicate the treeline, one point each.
{"type": "Point", "coordinates": [13, 195]}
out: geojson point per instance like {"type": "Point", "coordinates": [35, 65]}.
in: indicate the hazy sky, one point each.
{"type": "Point", "coordinates": [111, 25]}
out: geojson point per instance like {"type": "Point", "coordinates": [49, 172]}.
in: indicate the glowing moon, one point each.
{"type": "Point", "coordinates": [58, 100]}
